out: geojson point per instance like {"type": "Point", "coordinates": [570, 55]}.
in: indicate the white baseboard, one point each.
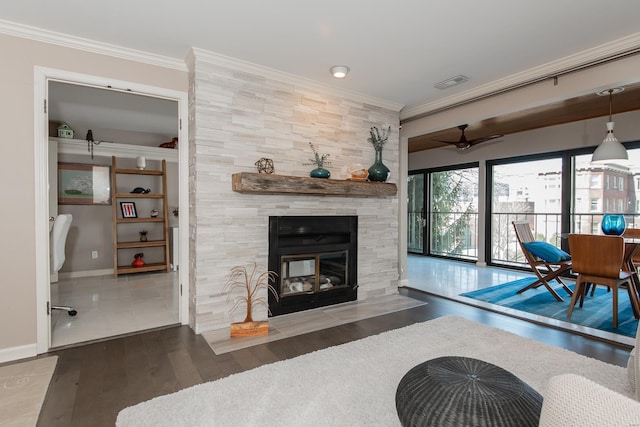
{"type": "Point", "coordinates": [15, 353]}
{"type": "Point", "coordinates": [88, 273]}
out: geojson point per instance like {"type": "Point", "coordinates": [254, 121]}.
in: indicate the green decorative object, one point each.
{"type": "Point", "coordinates": [378, 171]}
{"type": "Point", "coordinates": [320, 173]}
{"type": "Point", "coordinates": [318, 160]}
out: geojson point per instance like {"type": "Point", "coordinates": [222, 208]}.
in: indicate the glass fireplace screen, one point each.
{"type": "Point", "coordinates": [310, 273]}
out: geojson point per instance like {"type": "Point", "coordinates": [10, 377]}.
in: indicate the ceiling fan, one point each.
{"type": "Point", "coordinates": [463, 143]}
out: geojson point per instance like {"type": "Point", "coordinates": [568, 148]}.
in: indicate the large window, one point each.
{"type": "Point", "coordinates": [524, 190]}
{"type": "Point", "coordinates": [563, 193]}
{"type": "Point", "coordinates": [558, 193]}
{"type": "Point", "coordinates": [450, 223]}
{"type": "Point", "coordinates": [591, 201]}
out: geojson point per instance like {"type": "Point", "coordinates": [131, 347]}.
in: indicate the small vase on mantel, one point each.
{"type": "Point", "coordinates": [613, 225]}
{"type": "Point", "coordinates": [319, 160]}
{"type": "Point", "coordinates": [378, 171]}
{"type": "Point", "coordinates": [320, 173]}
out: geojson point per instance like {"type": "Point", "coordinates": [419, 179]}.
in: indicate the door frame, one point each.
{"type": "Point", "coordinates": [42, 77]}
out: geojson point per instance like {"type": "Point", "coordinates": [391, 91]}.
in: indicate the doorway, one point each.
{"type": "Point", "coordinates": [52, 80]}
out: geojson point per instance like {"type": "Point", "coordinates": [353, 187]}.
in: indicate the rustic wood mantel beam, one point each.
{"type": "Point", "coordinates": [256, 183]}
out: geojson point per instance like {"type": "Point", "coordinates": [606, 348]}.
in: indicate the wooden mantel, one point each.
{"type": "Point", "coordinates": [258, 183]}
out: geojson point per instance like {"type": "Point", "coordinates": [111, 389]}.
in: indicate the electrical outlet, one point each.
{"type": "Point", "coordinates": [94, 254]}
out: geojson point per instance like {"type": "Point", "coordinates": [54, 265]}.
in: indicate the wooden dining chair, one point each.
{"type": "Point", "coordinates": [598, 259]}
{"type": "Point", "coordinates": [545, 270]}
{"type": "Point", "coordinates": [633, 233]}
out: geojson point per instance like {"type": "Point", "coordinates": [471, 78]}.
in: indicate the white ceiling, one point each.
{"type": "Point", "coordinates": [397, 50]}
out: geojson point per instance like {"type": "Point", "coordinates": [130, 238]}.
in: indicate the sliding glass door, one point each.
{"type": "Point", "coordinates": [416, 210]}
{"type": "Point", "coordinates": [453, 213]}
{"type": "Point", "coordinates": [447, 224]}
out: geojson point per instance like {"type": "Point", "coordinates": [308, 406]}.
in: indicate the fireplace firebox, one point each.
{"type": "Point", "coordinates": [315, 259]}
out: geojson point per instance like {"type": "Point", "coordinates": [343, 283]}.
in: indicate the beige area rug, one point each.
{"type": "Point", "coordinates": [24, 386]}
{"type": "Point", "coordinates": [354, 384]}
{"type": "Point", "coordinates": [290, 325]}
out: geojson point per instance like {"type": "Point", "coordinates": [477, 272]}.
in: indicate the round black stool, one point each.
{"type": "Point", "coordinates": [459, 391]}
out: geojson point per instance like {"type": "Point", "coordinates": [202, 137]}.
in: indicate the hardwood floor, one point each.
{"type": "Point", "coordinates": [93, 382]}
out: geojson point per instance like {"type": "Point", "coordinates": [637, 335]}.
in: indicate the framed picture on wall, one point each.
{"type": "Point", "coordinates": [128, 210]}
{"type": "Point", "coordinates": [80, 184]}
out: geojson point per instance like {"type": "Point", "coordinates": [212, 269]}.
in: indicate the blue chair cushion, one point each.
{"type": "Point", "coordinates": [547, 251]}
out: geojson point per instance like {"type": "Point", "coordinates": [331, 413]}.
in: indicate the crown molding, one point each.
{"type": "Point", "coordinates": [66, 40]}
{"type": "Point", "coordinates": [197, 54]}
{"type": "Point", "coordinates": [550, 69]}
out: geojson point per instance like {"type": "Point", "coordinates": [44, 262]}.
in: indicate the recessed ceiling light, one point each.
{"type": "Point", "coordinates": [339, 71]}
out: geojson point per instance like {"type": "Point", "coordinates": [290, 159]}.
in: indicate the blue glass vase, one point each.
{"type": "Point", "coordinates": [613, 225]}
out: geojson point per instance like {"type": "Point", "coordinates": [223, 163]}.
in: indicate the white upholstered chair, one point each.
{"type": "Point", "coordinates": [59, 235]}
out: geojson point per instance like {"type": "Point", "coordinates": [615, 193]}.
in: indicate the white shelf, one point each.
{"type": "Point", "coordinates": [109, 149]}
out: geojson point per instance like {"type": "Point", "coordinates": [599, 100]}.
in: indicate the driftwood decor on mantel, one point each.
{"type": "Point", "coordinates": [256, 183]}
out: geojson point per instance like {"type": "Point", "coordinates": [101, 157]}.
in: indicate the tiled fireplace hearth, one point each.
{"type": "Point", "coordinates": [315, 259]}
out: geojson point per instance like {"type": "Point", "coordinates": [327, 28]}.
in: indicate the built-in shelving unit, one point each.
{"type": "Point", "coordinates": [257, 183]}
{"type": "Point", "coordinates": [162, 218]}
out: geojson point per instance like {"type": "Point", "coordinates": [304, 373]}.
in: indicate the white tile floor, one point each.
{"type": "Point", "coordinates": [109, 307]}
{"type": "Point", "coordinates": [450, 278]}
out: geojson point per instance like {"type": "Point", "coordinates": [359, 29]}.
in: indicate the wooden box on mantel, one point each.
{"type": "Point", "coordinates": [258, 183]}
{"type": "Point", "coordinates": [249, 329]}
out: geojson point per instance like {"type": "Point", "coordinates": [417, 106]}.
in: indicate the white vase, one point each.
{"type": "Point", "coordinates": [141, 162]}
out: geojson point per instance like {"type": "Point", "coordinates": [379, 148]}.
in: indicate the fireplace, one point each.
{"type": "Point", "coordinates": [315, 259]}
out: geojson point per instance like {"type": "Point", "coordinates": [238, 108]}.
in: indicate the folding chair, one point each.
{"type": "Point", "coordinates": [538, 265]}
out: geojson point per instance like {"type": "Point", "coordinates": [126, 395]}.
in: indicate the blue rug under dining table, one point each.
{"type": "Point", "coordinates": [596, 312]}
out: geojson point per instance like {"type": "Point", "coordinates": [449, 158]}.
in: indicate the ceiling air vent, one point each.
{"type": "Point", "coordinates": [451, 82]}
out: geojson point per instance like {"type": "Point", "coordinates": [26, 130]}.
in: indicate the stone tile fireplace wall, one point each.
{"type": "Point", "coordinates": [240, 113]}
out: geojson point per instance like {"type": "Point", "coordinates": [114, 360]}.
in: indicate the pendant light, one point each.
{"type": "Point", "coordinates": [610, 150]}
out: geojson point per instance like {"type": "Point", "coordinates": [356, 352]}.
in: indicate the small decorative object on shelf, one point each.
{"type": "Point", "coordinates": [358, 173]}
{"type": "Point", "coordinates": [137, 260]}
{"type": "Point", "coordinates": [319, 160]}
{"type": "Point", "coordinates": [140, 190]}
{"type": "Point", "coordinates": [154, 213]}
{"type": "Point", "coordinates": [143, 235]}
{"type": "Point", "coordinates": [65, 131]}
{"type": "Point", "coordinates": [141, 162]}
{"type": "Point", "coordinates": [378, 171]}
{"type": "Point", "coordinates": [265, 165]}
{"type": "Point", "coordinates": [249, 283]}
{"type": "Point", "coordinates": [613, 225]}
{"type": "Point", "coordinates": [171, 144]}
